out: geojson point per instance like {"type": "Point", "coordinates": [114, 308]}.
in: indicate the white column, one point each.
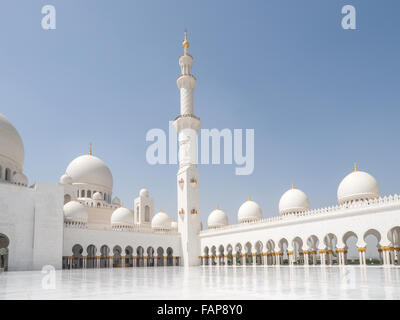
{"type": "Point", "coordinates": [254, 258]}
{"type": "Point", "coordinates": [305, 257]}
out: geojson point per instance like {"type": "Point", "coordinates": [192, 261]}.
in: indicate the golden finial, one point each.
{"type": "Point", "coordinates": [249, 198]}
{"type": "Point", "coordinates": [217, 208]}
{"type": "Point", "coordinates": [355, 167]}
{"type": "Point", "coordinates": [292, 185]}
{"type": "Point", "coordinates": [122, 204]}
{"type": "Point", "coordinates": [185, 43]}
{"type": "Point", "coordinates": [90, 149]}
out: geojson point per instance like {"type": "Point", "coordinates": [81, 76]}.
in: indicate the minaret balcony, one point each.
{"type": "Point", "coordinates": [185, 121]}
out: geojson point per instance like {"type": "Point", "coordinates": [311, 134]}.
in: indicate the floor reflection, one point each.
{"type": "Point", "coordinates": [312, 282]}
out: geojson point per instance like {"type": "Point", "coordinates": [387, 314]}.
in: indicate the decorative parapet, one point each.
{"type": "Point", "coordinates": [381, 202]}
{"type": "Point", "coordinates": [115, 228]}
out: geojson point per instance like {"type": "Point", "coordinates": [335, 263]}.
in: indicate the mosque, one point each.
{"type": "Point", "coordinates": [79, 223]}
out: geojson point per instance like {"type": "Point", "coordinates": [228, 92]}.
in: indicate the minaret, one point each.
{"type": "Point", "coordinates": [188, 178]}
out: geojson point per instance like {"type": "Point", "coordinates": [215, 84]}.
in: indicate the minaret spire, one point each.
{"type": "Point", "coordinates": [185, 43]}
{"type": "Point", "coordinates": [187, 125]}
{"type": "Point", "coordinates": [90, 149]}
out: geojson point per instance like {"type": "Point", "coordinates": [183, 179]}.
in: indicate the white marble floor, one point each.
{"type": "Point", "coordinates": [350, 282]}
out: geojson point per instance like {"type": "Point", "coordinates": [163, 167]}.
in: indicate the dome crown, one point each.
{"type": "Point", "coordinates": [122, 216]}
{"type": "Point", "coordinates": [293, 201]}
{"type": "Point", "coordinates": [249, 211]}
{"type": "Point", "coordinates": [90, 170]}
{"type": "Point", "coordinates": [217, 219]}
{"type": "Point", "coordinates": [144, 192]}
{"type": "Point", "coordinates": [65, 179]}
{"type": "Point", "coordinates": [358, 185]}
{"type": "Point", "coordinates": [11, 145]}
{"type": "Point", "coordinates": [75, 212]}
{"type": "Point", "coordinates": [161, 221]}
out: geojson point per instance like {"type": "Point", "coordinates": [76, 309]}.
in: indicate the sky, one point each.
{"type": "Point", "coordinates": [318, 97]}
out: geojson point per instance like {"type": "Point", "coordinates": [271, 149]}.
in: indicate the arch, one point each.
{"type": "Point", "coordinates": [105, 196]}
{"type": "Point", "coordinates": [221, 254]}
{"type": "Point", "coordinates": [147, 214]}
{"type": "Point", "coordinates": [372, 239]}
{"type": "Point", "coordinates": [104, 256]}
{"type": "Point", "coordinates": [206, 261]}
{"type": "Point", "coordinates": [259, 251]}
{"type": "Point", "coordinates": [89, 194]}
{"type": "Point", "coordinates": [1, 172]}
{"type": "Point", "coordinates": [312, 246]}
{"type": "Point", "coordinates": [7, 175]}
{"type": "Point", "coordinates": [150, 257]}
{"type": "Point", "coordinates": [170, 258]}
{"type": "Point", "coordinates": [238, 250]}
{"type": "Point", "coordinates": [213, 255]}
{"type": "Point", "coordinates": [128, 257]}
{"type": "Point", "coordinates": [4, 252]}
{"type": "Point", "coordinates": [67, 198]}
{"type": "Point", "coordinates": [229, 253]}
{"type": "Point", "coordinates": [91, 257]}
{"type": "Point", "coordinates": [160, 257]}
{"type": "Point", "coordinates": [248, 253]}
{"type": "Point", "coordinates": [283, 245]}
{"type": "Point", "coordinates": [298, 256]}
{"type": "Point", "coordinates": [330, 242]}
{"type": "Point", "coordinates": [82, 193]}
{"type": "Point", "coordinates": [117, 259]}
{"type": "Point", "coordinates": [350, 240]}
{"type": "Point", "coordinates": [77, 258]}
{"type": "Point", "coordinates": [271, 256]}
{"type": "Point", "coordinates": [140, 257]}
{"type": "Point", "coordinates": [394, 237]}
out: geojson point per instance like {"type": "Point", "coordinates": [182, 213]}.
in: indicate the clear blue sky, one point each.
{"type": "Point", "coordinates": [319, 97]}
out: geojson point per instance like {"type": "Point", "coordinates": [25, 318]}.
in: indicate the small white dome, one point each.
{"type": "Point", "coordinates": [161, 221]}
{"type": "Point", "coordinates": [174, 225]}
{"type": "Point", "coordinates": [144, 193]}
{"type": "Point", "coordinates": [65, 179]}
{"type": "Point", "coordinates": [75, 212]}
{"type": "Point", "coordinates": [358, 185]}
{"type": "Point", "coordinates": [249, 211]}
{"type": "Point", "coordinates": [217, 218]}
{"type": "Point", "coordinates": [11, 145]}
{"type": "Point", "coordinates": [20, 179]}
{"type": "Point", "coordinates": [90, 170]}
{"type": "Point", "coordinates": [122, 217]}
{"type": "Point", "coordinates": [293, 201]}
{"type": "Point", "coordinates": [116, 201]}
{"type": "Point", "coordinates": [97, 196]}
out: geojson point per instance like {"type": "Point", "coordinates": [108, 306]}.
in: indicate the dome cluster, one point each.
{"type": "Point", "coordinates": [356, 186]}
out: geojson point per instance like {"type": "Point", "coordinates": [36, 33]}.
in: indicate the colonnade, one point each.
{"type": "Point", "coordinates": [85, 262]}
{"type": "Point", "coordinates": [388, 256]}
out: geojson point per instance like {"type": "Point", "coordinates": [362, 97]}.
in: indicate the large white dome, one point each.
{"type": "Point", "coordinates": [75, 212]}
{"type": "Point", "coordinates": [91, 170]}
{"type": "Point", "coordinates": [161, 221]}
{"type": "Point", "coordinates": [11, 145]}
{"type": "Point", "coordinates": [249, 211]}
{"type": "Point", "coordinates": [122, 217]}
{"type": "Point", "coordinates": [217, 219]}
{"type": "Point", "coordinates": [293, 201]}
{"type": "Point", "coordinates": [358, 185]}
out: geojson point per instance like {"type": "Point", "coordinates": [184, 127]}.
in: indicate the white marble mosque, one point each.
{"type": "Point", "coordinates": [79, 224]}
